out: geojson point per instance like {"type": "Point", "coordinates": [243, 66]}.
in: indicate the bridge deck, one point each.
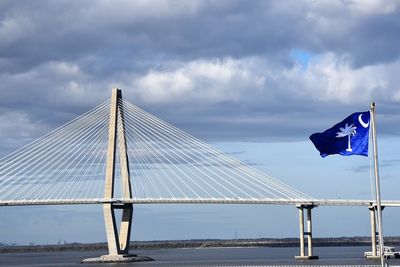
{"type": "Point", "coordinates": [314, 202]}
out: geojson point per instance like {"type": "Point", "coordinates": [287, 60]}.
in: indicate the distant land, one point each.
{"type": "Point", "coordinates": [202, 243]}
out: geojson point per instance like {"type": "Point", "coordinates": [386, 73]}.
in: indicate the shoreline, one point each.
{"type": "Point", "coordinates": [201, 243]}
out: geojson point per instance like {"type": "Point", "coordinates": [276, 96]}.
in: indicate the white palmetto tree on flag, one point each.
{"type": "Point", "coordinates": [348, 130]}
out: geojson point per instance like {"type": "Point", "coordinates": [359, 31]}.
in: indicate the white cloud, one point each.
{"type": "Point", "coordinates": [64, 68]}
{"type": "Point", "coordinates": [253, 80]}
{"type": "Point", "coordinates": [329, 78]}
{"type": "Point", "coordinates": [164, 86]}
{"type": "Point", "coordinates": [396, 96]}
{"type": "Point", "coordinates": [54, 70]}
{"type": "Point", "coordinates": [332, 78]}
{"type": "Point", "coordinates": [202, 80]}
{"type": "Point", "coordinates": [374, 6]}
{"type": "Point", "coordinates": [352, 7]}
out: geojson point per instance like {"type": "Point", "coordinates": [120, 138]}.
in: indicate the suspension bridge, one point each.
{"type": "Point", "coordinates": [119, 155]}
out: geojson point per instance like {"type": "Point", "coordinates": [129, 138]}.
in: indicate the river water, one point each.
{"type": "Point", "coordinates": [259, 256]}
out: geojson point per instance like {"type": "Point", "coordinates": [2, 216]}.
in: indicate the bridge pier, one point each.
{"type": "Point", "coordinates": [118, 244]}
{"type": "Point", "coordinates": [304, 234]}
{"type": "Point", "coordinates": [374, 253]}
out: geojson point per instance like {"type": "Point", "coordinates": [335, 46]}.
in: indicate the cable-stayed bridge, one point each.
{"type": "Point", "coordinates": [119, 155]}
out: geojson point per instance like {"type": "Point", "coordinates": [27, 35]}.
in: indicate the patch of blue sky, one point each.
{"type": "Point", "coordinates": [301, 57]}
{"type": "Point", "coordinates": [299, 165]}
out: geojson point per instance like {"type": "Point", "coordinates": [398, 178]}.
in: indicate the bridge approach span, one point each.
{"type": "Point", "coordinates": [295, 202]}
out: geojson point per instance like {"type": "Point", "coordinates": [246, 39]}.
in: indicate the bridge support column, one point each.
{"type": "Point", "coordinates": [307, 233]}
{"type": "Point", "coordinates": [374, 253]}
{"type": "Point", "coordinates": [118, 243]}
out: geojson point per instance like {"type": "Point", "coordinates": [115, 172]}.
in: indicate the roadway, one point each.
{"type": "Point", "coordinates": [295, 202]}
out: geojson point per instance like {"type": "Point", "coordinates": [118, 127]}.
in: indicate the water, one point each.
{"type": "Point", "coordinates": [259, 256]}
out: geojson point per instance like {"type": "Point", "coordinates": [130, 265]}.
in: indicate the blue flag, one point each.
{"type": "Point", "coordinates": [348, 137]}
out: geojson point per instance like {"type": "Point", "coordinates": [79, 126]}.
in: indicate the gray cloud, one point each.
{"type": "Point", "coordinates": [221, 71]}
{"type": "Point", "coordinates": [382, 164]}
{"type": "Point", "coordinates": [156, 30]}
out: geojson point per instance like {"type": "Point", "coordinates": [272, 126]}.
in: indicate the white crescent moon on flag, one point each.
{"type": "Point", "coordinates": [363, 124]}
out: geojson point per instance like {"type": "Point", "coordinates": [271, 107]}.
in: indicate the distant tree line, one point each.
{"type": "Point", "coordinates": [200, 243]}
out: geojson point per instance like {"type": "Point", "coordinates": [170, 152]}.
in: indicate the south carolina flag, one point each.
{"type": "Point", "coordinates": [348, 137]}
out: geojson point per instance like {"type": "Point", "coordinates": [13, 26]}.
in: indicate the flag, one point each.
{"type": "Point", "coordinates": [348, 137]}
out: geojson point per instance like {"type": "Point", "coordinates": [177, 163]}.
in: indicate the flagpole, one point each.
{"type": "Point", "coordinates": [377, 184]}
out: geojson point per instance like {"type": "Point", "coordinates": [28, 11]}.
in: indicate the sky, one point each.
{"type": "Point", "coordinates": [253, 78]}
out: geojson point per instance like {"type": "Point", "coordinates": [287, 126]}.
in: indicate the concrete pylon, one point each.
{"type": "Point", "coordinates": [118, 243]}
{"type": "Point", "coordinates": [374, 253]}
{"type": "Point", "coordinates": [307, 233]}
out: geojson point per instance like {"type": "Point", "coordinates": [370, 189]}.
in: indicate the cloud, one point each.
{"type": "Point", "coordinates": [133, 33]}
{"type": "Point", "coordinates": [332, 78]}
{"type": "Point", "coordinates": [216, 80]}
{"type": "Point", "coordinates": [127, 12]}
{"type": "Point", "coordinates": [16, 128]}
{"type": "Point", "coordinates": [256, 93]}
{"type": "Point", "coordinates": [383, 164]}
{"type": "Point", "coordinates": [327, 77]}
{"type": "Point", "coordinates": [240, 99]}
{"type": "Point", "coordinates": [356, 7]}
{"type": "Point", "coordinates": [222, 71]}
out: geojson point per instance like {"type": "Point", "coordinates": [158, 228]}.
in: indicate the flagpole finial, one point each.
{"type": "Point", "coordinates": [372, 105]}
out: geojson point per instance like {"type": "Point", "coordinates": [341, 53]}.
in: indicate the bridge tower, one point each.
{"type": "Point", "coordinates": [118, 243]}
